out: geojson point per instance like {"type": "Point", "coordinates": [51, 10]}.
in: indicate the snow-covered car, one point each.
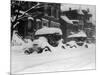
{"type": "Point", "coordinates": [76, 44]}
{"type": "Point", "coordinates": [41, 44]}
{"type": "Point", "coordinates": [78, 40]}
{"type": "Point", "coordinates": [38, 45]}
{"type": "Point", "coordinates": [45, 39]}
{"type": "Point", "coordinates": [71, 44]}
{"type": "Point", "coordinates": [53, 35]}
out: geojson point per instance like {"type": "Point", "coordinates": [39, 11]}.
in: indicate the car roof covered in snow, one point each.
{"type": "Point", "coordinates": [48, 30]}
{"type": "Point", "coordinates": [79, 34]}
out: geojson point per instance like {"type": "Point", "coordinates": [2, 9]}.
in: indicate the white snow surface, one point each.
{"type": "Point", "coordinates": [58, 60]}
{"type": "Point", "coordinates": [66, 19]}
{"type": "Point", "coordinates": [79, 34]}
{"type": "Point", "coordinates": [41, 42]}
{"type": "Point", "coordinates": [48, 30]}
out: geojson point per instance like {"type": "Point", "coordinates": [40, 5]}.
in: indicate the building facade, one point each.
{"type": "Point", "coordinates": [47, 15]}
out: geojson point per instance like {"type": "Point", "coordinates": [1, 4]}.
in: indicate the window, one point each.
{"type": "Point", "coordinates": [45, 22]}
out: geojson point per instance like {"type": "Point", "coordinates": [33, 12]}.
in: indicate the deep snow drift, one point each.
{"type": "Point", "coordinates": [57, 60]}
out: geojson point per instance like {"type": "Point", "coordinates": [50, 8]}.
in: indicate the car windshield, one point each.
{"type": "Point", "coordinates": [77, 39]}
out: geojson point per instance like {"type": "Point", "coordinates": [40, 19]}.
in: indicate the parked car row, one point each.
{"type": "Point", "coordinates": [48, 38]}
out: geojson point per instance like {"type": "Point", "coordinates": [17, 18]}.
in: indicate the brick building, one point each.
{"type": "Point", "coordinates": [48, 14]}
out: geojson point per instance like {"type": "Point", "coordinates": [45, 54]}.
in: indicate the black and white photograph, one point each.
{"type": "Point", "coordinates": [52, 37]}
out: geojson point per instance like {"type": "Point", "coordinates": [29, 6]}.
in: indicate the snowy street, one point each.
{"type": "Point", "coordinates": [57, 60]}
{"type": "Point", "coordinates": [52, 37]}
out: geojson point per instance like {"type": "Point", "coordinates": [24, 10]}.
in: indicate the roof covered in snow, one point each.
{"type": "Point", "coordinates": [92, 9]}
{"type": "Point", "coordinates": [66, 19]}
{"type": "Point", "coordinates": [48, 30]}
{"type": "Point", "coordinates": [79, 34]}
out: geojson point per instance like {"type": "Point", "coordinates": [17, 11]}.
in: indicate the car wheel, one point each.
{"type": "Point", "coordinates": [40, 50]}
{"type": "Point", "coordinates": [47, 49]}
{"type": "Point", "coordinates": [26, 52]}
{"type": "Point", "coordinates": [86, 46]}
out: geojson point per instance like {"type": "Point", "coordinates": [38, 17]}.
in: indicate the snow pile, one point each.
{"type": "Point", "coordinates": [60, 60]}
{"type": "Point", "coordinates": [28, 44]}
{"type": "Point", "coordinates": [41, 42]}
{"type": "Point", "coordinates": [67, 19]}
{"type": "Point", "coordinates": [71, 44]}
{"type": "Point", "coordinates": [17, 42]}
{"type": "Point", "coordinates": [16, 39]}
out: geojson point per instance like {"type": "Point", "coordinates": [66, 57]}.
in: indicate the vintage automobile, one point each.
{"type": "Point", "coordinates": [77, 40]}
{"type": "Point", "coordinates": [45, 39]}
